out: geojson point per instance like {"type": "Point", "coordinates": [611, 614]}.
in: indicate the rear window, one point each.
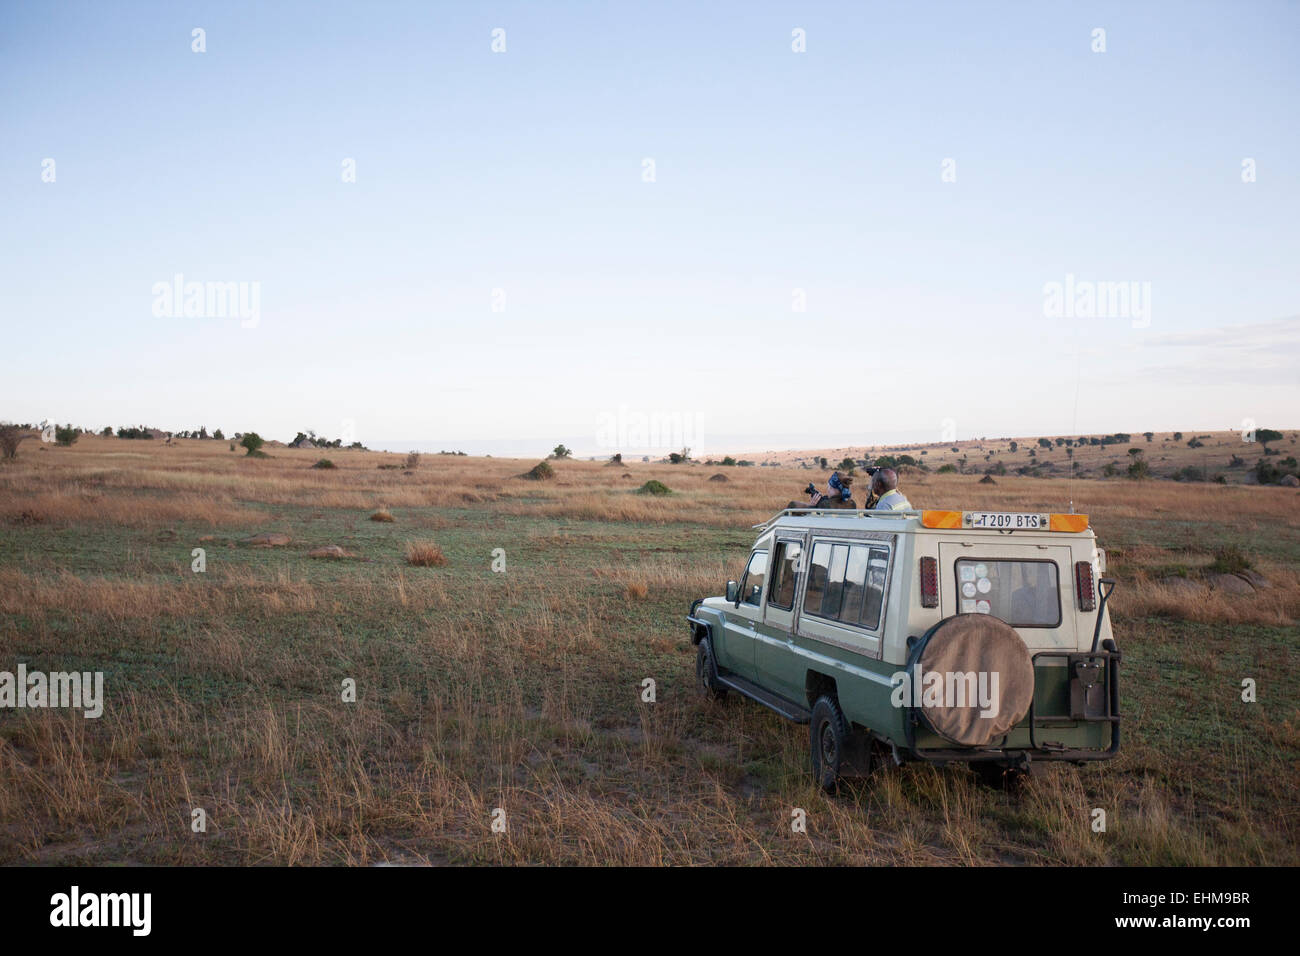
{"type": "Point", "coordinates": [1022, 593]}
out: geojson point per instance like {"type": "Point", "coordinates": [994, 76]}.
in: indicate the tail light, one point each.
{"type": "Point", "coordinates": [1084, 586]}
{"type": "Point", "coordinates": [929, 582]}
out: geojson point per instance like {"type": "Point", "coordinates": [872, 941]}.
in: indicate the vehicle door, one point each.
{"type": "Point", "coordinates": [736, 654]}
{"type": "Point", "coordinates": [778, 665]}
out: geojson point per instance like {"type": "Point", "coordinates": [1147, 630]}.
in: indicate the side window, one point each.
{"type": "Point", "coordinates": [877, 567]}
{"type": "Point", "coordinates": [821, 559]}
{"type": "Point", "coordinates": [752, 584]}
{"type": "Point", "coordinates": [855, 585]}
{"type": "Point", "coordinates": [785, 564]}
{"type": "Point", "coordinates": [835, 581]}
{"type": "Point", "coordinates": [847, 583]}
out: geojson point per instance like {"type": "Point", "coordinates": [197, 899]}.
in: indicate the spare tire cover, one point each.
{"type": "Point", "coordinates": [1002, 686]}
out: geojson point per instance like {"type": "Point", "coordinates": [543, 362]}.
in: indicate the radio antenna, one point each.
{"type": "Point", "coordinates": [1072, 450]}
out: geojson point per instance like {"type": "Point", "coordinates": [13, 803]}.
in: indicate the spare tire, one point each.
{"type": "Point", "coordinates": [988, 679]}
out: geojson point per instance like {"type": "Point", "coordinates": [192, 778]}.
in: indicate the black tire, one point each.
{"type": "Point", "coordinates": [995, 776]}
{"type": "Point", "coordinates": [706, 672]}
{"type": "Point", "coordinates": [828, 734]}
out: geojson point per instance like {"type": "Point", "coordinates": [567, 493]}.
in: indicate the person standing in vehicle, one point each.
{"type": "Point", "coordinates": [884, 485]}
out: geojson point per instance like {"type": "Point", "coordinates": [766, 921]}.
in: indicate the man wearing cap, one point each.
{"type": "Point", "coordinates": [884, 485]}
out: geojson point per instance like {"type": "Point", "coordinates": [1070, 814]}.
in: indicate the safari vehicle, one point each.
{"type": "Point", "coordinates": [936, 636]}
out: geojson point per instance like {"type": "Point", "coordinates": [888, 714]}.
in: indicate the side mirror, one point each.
{"type": "Point", "coordinates": [733, 592]}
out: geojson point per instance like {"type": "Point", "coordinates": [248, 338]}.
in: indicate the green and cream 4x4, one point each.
{"type": "Point", "coordinates": [939, 636]}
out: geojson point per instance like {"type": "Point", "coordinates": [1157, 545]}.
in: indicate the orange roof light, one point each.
{"type": "Point", "coordinates": [940, 519]}
{"type": "Point", "coordinates": [1069, 523]}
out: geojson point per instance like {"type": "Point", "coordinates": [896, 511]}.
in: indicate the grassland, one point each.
{"type": "Point", "coordinates": [1199, 456]}
{"type": "Point", "coordinates": [522, 689]}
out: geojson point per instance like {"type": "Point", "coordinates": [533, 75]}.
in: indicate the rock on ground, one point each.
{"type": "Point", "coordinates": [267, 539]}
{"type": "Point", "coordinates": [328, 551]}
{"type": "Point", "coordinates": [1230, 584]}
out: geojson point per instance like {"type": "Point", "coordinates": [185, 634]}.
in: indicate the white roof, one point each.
{"type": "Point", "coordinates": [843, 518]}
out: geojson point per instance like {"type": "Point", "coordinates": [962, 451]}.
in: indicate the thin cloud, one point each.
{"type": "Point", "coordinates": [1249, 355]}
{"type": "Point", "coordinates": [1280, 334]}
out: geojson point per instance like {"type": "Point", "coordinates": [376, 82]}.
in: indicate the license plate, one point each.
{"type": "Point", "coordinates": [1004, 520]}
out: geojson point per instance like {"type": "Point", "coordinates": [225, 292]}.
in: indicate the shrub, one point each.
{"type": "Point", "coordinates": [729, 461]}
{"type": "Point", "coordinates": [1230, 559]}
{"type": "Point", "coordinates": [1139, 469]}
{"type": "Point", "coordinates": [324, 463]}
{"type": "Point", "coordinates": [653, 487]}
{"type": "Point", "coordinates": [541, 472]}
{"type": "Point", "coordinates": [10, 438]}
{"type": "Point", "coordinates": [218, 436]}
{"type": "Point", "coordinates": [424, 554]}
{"type": "Point", "coordinates": [947, 469]}
{"type": "Point", "coordinates": [383, 514]}
{"type": "Point", "coordinates": [561, 452]}
{"type": "Point", "coordinates": [107, 432]}
{"type": "Point", "coordinates": [1266, 473]}
{"type": "Point", "coordinates": [66, 435]}
{"type": "Point", "coordinates": [253, 442]}
{"type": "Point", "coordinates": [1190, 473]}
{"type": "Point", "coordinates": [1109, 470]}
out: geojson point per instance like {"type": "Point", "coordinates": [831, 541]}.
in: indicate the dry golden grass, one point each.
{"type": "Point", "coordinates": [425, 554]}
{"type": "Point", "coordinates": [522, 691]}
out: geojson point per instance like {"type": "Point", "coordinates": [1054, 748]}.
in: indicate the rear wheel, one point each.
{"type": "Point", "coordinates": [997, 776]}
{"type": "Point", "coordinates": [828, 736]}
{"type": "Point", "coordinates": [706, 672]}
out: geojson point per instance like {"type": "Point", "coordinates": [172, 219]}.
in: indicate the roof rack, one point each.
{"type": "Point", "coordinates": [835, 513]}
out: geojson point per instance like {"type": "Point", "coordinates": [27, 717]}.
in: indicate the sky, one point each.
{"type": "Point", "coordinates": [633, 221]}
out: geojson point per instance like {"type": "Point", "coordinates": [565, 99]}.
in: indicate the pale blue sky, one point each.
{"type": "Point", "coordinates": [775, 170]}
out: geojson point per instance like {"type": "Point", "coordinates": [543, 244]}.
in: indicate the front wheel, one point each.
{"type": "Point", "coordinates": [706, 672]}
{"type": "Point", "coordinates": [828, 736]}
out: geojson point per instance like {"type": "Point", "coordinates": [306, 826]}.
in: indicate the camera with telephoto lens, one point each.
{"type": "Point", "coordinates": [871, 470]}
